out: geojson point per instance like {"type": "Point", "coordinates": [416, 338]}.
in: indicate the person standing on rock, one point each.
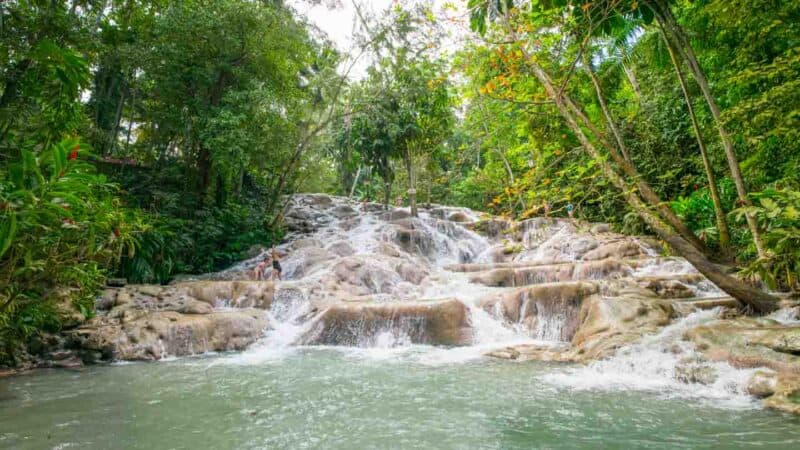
{"type": "Point", "coordinates": [276, 264]}
{"type": "Point", "coordinates": [258, 272]}
{"type": "Point", "coordinates": [570, 211]}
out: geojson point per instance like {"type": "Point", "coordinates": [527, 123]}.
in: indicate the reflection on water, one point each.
{"type": "Point", "coordinates": [329, 398]}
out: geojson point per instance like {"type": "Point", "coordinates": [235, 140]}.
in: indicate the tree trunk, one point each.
{"type": "Point", "coordinates": [719, 212]}
{"type": "Point", "coordinates": [204, 173]}
{"type": "Point", "coordinates": [631, 75]}
{"type": "Point", "coordinates": [746, 294]}
{"type": "Point", "coordinates": [117, 118]}
{"type": "Point", "coordinates": [502, 156]}
{"type": "Point", "coordinates": [387, 193]}
{"type": "Point", "coordinates": [412, 182]}
{"type": "Point", "coordinates": [644, 188]}
{"type": "Point", "coordinates": [606, 112]}
{"type": "Point", "coordinates": [758, 300]}
{"type": "Point", "coordinates": [355, 182]}
{"type": "Point", "coordinates": [681, 43]}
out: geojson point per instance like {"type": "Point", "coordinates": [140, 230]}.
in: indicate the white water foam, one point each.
{"type": "Point", "coordinates": [652, 365]}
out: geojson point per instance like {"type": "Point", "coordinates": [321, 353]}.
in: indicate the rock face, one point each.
{"type": "Point", "coordinates": [155, 335]}
{"type": "Point", "coordinates": [364, 324]}
{"type": "Point", "coordinates": [757, 343]}
{"type": "Point", "coordinates": [144, 322]}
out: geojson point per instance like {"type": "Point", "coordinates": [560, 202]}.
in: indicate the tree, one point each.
{"type": "Point", "coordinates": [679, 41]}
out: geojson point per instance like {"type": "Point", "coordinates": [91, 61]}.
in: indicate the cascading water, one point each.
{"type": "Point", "coordinates": [363, 254]}
{"type": "Point", "coordinates": [665, 363]}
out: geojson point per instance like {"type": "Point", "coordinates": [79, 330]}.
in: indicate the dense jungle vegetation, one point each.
{"type": "Point", "coordinates": [144, 139]}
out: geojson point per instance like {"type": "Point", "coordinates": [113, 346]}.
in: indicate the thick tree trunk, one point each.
{"type": "Point", "coordinates": [719, 212]}
{"type": "Point", "coordinates": [680, 41]}
{"type": "Point", "coordinates": [754, 298]}
{"type": "Point", "coordinates": [606, 112]}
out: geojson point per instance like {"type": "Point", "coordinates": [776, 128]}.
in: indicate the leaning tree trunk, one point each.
{"type": "Point", "coordinates": [644, 188]}
{"type": "Point", "coordinates": [719, 212]}
{"type": "Point", "coordinates": [606, 112]}
{"type": "Point", "coordinates": [681, 43]}
{"type": "Point", "coordinates": [631, 75]}
{"type": "Point", "coordinates": [754, 298]}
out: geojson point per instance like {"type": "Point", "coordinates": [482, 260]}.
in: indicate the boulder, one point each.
{"type": "Point", "coordinates": [155, 335]}
{"type": "Point", "coordinates": [762, 383]}
{"type": "Point", "coordinates": [341, 248]}
{"type": "Point", "coordinates": [443, 322]}
{"type": "Point", "coordinates": [618, 249]}
{"type": "Point", "coordinates": [458, 216]}
{"type": "Point", "coordinates": [343, 211]}
{"type": "Point", "coordinates": [298, 244]}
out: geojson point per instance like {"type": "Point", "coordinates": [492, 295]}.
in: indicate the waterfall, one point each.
{"type": "Point", "coordinates": [344, 253]}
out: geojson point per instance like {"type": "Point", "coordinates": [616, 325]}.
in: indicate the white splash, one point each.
{"type": "Point", "coordinates": [654, 364]}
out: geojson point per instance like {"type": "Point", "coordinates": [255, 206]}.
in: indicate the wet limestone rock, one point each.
{"type": "Point", "coordinates": [341, 248]}
{"type": "Point", "coordinates": [608, 323]}
{"type": "Point", "coordinates": [157, 334]}
{"type": "Point", "coordinates": [762, 384]}
{"type": "Point", "coordinates": [297, 244]}
{"type": "Point", "coordinates": [238, 294]}
{"type": "Point", "coordinates": [694, 370]}
{"type": "Point", "coordinates": [412, 273]}
{"type": "Point", "coordinates": [787, 394]}
{"type": "Point", "coordinates": [619, 249]}
{"type": "Point", "coordinates": [458, 216]}
{"type": "Point", "coordinates": [443, 322]}
{"type": "Point", "coordinates": [748, 342]}
{"type": "Point", "coordinates": [365, 277]}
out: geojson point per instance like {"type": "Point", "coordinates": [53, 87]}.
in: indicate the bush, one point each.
{"type": "Point", "coordinates": [778, 213]}
{"type": "Point", "coordinates": [61, 225]}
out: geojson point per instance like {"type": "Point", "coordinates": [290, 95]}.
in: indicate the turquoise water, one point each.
{"type": "Point", "coordinates": [325, 398]}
